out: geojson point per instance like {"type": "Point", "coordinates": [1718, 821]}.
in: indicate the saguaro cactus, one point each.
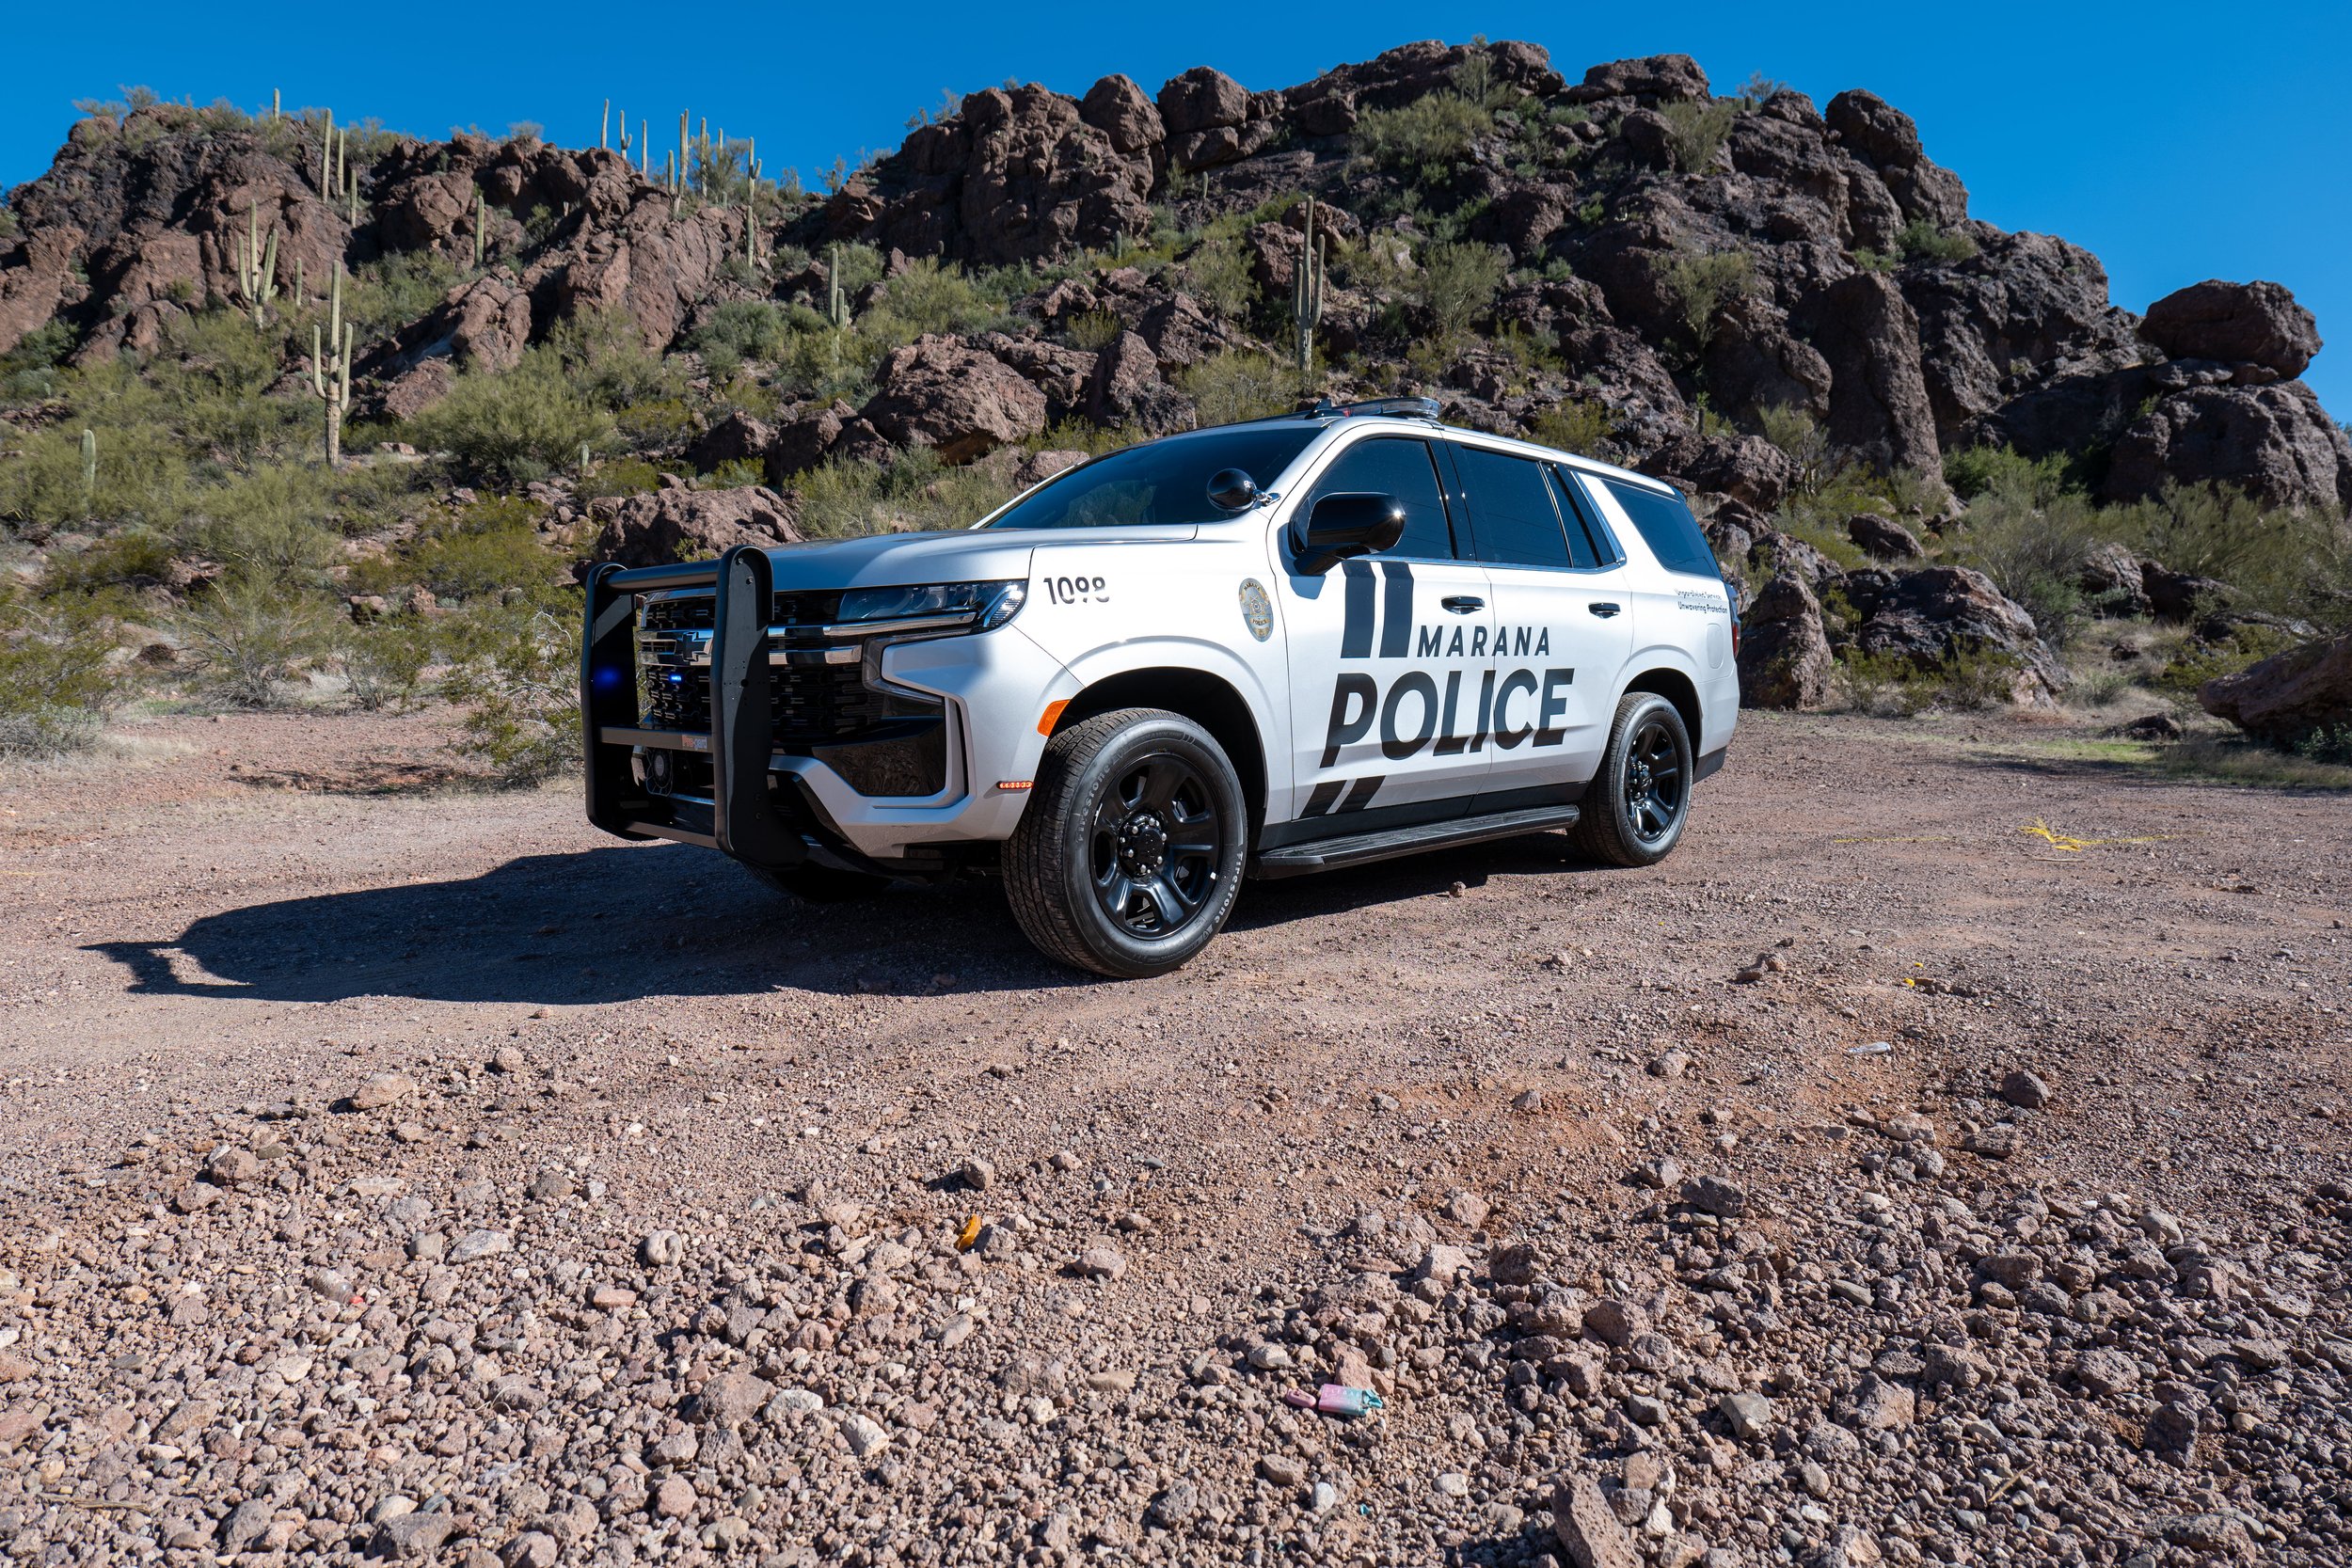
{"type": "Point", "coordinates": [1306, 294]}
{"type": "Point", "coordinates": [604, 132]}
{"type": "Point", "coordinates": [479, 225]}
{"type": "Point", "coordinates": [327, 157]}
{"type": "Point", "coordinates": [330, 369]}
{"type": "Point", "coordinates": [685, 149]}
{"type": "Point", "coordinates": [89, 469]}
{"type": "Point", "coordinates": [836, 303]}
{"type": "Point", "coordinates": [257, 263]}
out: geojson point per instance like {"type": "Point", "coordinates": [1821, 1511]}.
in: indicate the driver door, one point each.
{"type": "Point", "coordinates": [1391, 671]}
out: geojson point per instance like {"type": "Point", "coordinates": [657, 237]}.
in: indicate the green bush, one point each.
{"type": "Point", "coordinates": [1922, 241]}
{"type": "Point", "coordinates": [1239, 383]}
{"type": "Point", "coordinates": [385, 660]}
{"type": "Point", "coordinates": [1425, 140]}
{"type": "Point", "coordinates": [263, 524]}
{"type": "Point", "coordinates": [928, 297]}
{"type": "Point", "coordinates": [1456, 283]}
{"type": "Point", "coordinates": [1096, 331]}
{"type": "Point", "coordinates": [1696, 129]}
{"type": "Point", "coordinates": [515, 666]}
{"type": "Point", "coordinates": [2035, 555]}
{"type": "Point", "coordinates": [134, 558]}
{"type": "Point", "coordinates": [1981, 470]}
{"type": "Point", "coordinates": [2288, 562]}
{"type": "Point", "coordinates": [58, 674]}
{"type": "Point", "coordinates": [1701, 283]}
{"type": "Point", "coordinates": [484, 548]}
{"type": "Point", "coordinates": [841, 499]}
{"type": "Point", "coordinates": [742, 329]}
{"type": "Point", "coordinates": [1217, 272]}
{"type": "Point", "coordinates": [251, 638]}
{"type": "Point", "coordinates": [1805, 443]}
{"type": "Point", "coordinates": [1891, 686]}
{"type": "Point", "coordinates": [520, 424]}
{"type": "Point", "coordinates": [1583, 426]}
{"type": "Point", "coordinates": [621, 476]}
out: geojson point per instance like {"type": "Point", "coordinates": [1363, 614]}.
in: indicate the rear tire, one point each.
{"type": "Point", "coordinates": [821, 884]}
{"type": "Point", "coordinates": [1636, 807]}
{"type": "Point", "coordinates": [1129, 852]}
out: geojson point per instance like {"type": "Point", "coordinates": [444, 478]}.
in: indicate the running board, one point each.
{"type": "Point", "coordinates": [1330, 854]}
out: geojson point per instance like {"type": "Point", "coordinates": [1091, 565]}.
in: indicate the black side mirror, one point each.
{"type": "Point", "coordinates": [1354, 522]}
{"type": "Point", "coordinates": [1232, 490]}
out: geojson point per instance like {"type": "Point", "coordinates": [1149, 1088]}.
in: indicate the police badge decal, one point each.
{"type": "Point", "coordinates": [1256, 610]}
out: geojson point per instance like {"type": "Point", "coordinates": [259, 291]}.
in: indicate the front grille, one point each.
{"type": "Point", "coordinates": [881, 742]}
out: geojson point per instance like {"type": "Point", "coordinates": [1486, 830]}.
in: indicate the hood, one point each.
{"type": "Point", "coordinates": [964, 555]}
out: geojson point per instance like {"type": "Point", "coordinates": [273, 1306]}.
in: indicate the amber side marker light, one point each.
{"type": "Point", "coordinates": [1053, 717]}
{"type": "Point", "coordinates": [1015, 785]}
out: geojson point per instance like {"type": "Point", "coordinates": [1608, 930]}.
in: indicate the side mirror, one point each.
{"type": "Point", "coordinates": [1232, 490]}
{"type": "Point", "coordinates": [1354, 522]}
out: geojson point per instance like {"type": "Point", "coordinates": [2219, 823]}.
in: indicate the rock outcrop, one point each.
{"type": "Point", "coordinates": [676, 523]}
{"type": "Point", "coordinates": [2290, 696]}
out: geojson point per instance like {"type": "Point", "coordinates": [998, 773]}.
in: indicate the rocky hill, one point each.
{"type": "Point", "coordinates": [1785, 306]}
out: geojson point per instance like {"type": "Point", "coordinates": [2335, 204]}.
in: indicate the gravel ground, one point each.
{"type": "Point", "coordinates": [393, 1169]}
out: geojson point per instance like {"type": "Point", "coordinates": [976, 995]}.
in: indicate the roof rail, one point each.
{"type": "Point", "coordinates": [1409, 408]}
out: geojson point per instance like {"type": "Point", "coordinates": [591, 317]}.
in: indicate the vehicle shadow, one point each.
{"type": "Point", "coordinates": [630, 922]}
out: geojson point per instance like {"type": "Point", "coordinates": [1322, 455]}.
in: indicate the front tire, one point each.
{"type": "Point", "coordinates": [1639, 801]}
{"type": "Point", "coordinates": [1129, 853]}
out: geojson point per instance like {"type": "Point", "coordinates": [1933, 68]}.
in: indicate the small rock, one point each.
{"type": "Point", "coordinates": [2024, 1090]}
{"type": "Point", "coordinates": [481, 1244]}
{"type": "Point", "coordinates": [977, 1174]}
{"type": "Point", "coordinates": [1588, 1528]}
{"type": "Point", "coordinates": [509, 1060]}
{"type": "Point", "coordinates": [1100, 1262]}
{"type": "Point", "coordinates": [1712, 1194]}
{"type": "Point", "coordinates": [1467, 1208]}
{"type": "Point", "coordinates": [385, 1088]}
{"type": "Point", "coordinates": [673, 1498]}
{"type": "Point", "coordinates": [1749, 1415]}
{"type": "Point", "coordinates": [865, 1435]}
{"type": "Point", "coordinates": [1670, 1065]}
{"type": "Point", "coordinates": [1443, 1264]}
{"type": "Point", "coordinates": [230, 1166]}
{"type": "Point", "coordinates": [533, 1548]}
{"type": "Point", "coordinates": [1528, 1100]}
{"type": "Point", "coordinates": [1661, 1174]}
{"type": "Point", "coordinates": [1453, 1483]}
{"type": "Point", "coordinates": [411, 1536]}
{"type": "Point", "coordinates": [661, 1249]}
{"type": "Point", "coordinates": [1282, 1469]}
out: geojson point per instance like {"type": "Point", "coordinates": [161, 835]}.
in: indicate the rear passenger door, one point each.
{"type": "Point", "coordinates": [1385, 655]}
{"type": "Point", "coordinates": [1562, 631]}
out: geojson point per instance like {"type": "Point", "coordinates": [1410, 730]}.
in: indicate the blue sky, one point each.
{"type": "Point", "coordinates": [2175, 141]}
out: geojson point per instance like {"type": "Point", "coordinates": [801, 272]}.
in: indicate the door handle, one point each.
{"type": "Point", "coordinates": [1462, 604]}
{"type": "Point", "coordinates": [1603, 608]}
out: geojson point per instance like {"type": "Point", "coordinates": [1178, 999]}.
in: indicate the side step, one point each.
{"type": "Point", "coordinates": [1330, 854]}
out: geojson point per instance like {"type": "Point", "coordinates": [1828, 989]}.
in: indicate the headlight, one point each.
{"type": "Point", "coordinates": [942, 606]}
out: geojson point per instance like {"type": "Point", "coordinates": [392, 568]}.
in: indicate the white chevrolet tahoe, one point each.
{"type": "Point", "coordinates": [1287, 645]}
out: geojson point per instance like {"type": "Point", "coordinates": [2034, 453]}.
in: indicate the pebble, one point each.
{"type": "Point", "coordinates": [1100, 1262]}
{"type": "Point", "coordinates": [477, 1244]}
{"type": "Point", "coordinates": [661, 1249]}
{"type": "Point", "coordinates": [385, 1088]}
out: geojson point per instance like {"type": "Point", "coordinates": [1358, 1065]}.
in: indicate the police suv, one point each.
{"type": "Point", "coordinates": [1296, 644]}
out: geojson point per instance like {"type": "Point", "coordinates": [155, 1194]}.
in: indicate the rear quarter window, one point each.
{"type": "Point", "coordinates": [1664, 522]}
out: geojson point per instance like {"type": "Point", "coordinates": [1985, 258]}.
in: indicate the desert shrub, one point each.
{"type": "Point", "coordinates": [263, 524]}
{"type": "Point", "coordinates": [621, 476]}
{"type": "Point", "coordinates": [1096, 331]}
{"type": "Point", "coordinates": [385, 660]}
{"type": "Point", "coordinates": [1457, 282]}
{"type": "Point", "coordinates": [515, 666]}
{"type": "Point", "coordinates": [1891, 686]}
{"type": "Point", "coordinates": [1218, 271]}
{"type": "Point", "coordinates": [607, 361]}
{"type": "Point", "coordinates": [249, 640]}
{"type": "Point", "coordinates": [742, 329]}
{"type": "Point", "coordinates": [133, 558]}
{"type": "Point", "coordinates": [928, 297]}
{"type": "Point", "coordinates": [31, 370]}
{"type": "Point", "coordinates": [382, 295]}
{"type": "Point", "coordinates": [58, 675]}
{"type": "Point", "coordinates": [2288, 562]}
{"type": "Point", "coordinates": [1701, 283]}
{"type": "Point", "coordinates": [1696, 129]}
{"type": "Point", "coordinates": [1804, 441]}
{"type": "Point", "coordinates": [1239, 383]}
{"type": "Point", "coordinates": [142, 476]}
{"type": "Point", "coordinates": [913, 491]}
{"type": "Point", "coordinates": [1979, 470]}
{"type": "Point", "coordinates": [2034, 555]}
{"type": "Point", "coordinates": [1876, 260]}
{"type": "Point", "coordinates": [2198, 660]}
{"type": "Point", "coordinates": [2328, 743]}
{"type": "Point", "coordinates": [484, 548]}
{"type": "Point", "coordinates": [519, 425]}
{"type": "Point", "coordinates": [1424, 140]}
{"type": "Point", "coordinates": [1583, 426]}
{"type": "Point", "coordinates": [1922, 241]}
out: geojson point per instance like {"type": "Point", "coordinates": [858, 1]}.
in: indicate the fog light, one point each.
{"type": "Point", "coordinates": [658, 771]}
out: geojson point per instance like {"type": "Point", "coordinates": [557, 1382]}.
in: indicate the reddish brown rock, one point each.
{"type": "Point", "coordinates": [2290, 695]}
{"type": "Point", "coordinates": [675, 524]}
{"type": "Point", "coordinates": [943, 393]}
{"type": "Point", "coordinates": [2256, 322]}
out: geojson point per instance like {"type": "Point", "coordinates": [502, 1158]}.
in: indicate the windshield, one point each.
{"type": "Point", "coordinates": [1160, 482]}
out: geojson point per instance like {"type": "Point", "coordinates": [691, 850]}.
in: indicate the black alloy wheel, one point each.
{"type": "Point", "coordinates": [1657, 785]}
{"type": "Point", "coordinates": [1157, 844]}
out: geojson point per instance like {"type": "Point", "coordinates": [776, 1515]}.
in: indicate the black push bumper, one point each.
{"type": "Point", "coordinates": [747, 817]}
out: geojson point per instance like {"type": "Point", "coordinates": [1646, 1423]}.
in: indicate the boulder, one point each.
{"type": "Point", "coordinates": [1653, 79]}
{"type": "Point", "coordinates": [2112, 579]}
{"type": "Point", "coordinates": [1747, 468]}
{"type": "Point", "coordinates": [1123, 112]}
{"type": "Point", "coordinates": [2289, 696]}
{"type": "Point", "coordinates": [1931, 616]}
{"type": "Point", "coordinates": [2274, 442]}
{"type": "Point", "coordinates": [1588, 1527]}
{"type": "Point", "coordinates": [1885, 138]}
{"type": "Point", "coordinates": [1126, 392]}
{"type": "Point", "coordinates": [943, 393]}
{"type": "Point", "coordinates": [1881, 538]}
{"type": "Point", "coordinates": [2257, 322]}
{"type": "Point", "coordinates": [2178, 596]}
{"type": "Point", "coordinates": [1784, 653]}
{"type": "Point", "coordinates": [737, 439]}
{"type": "Point", "coordinates": [675, 523]}
{"type": "Point", "coordinates": [1868, 334]}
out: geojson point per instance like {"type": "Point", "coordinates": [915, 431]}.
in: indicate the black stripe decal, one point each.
{"type": "Point", "coordinates": [1359, 793]}
{"type": "Point", "coordinates": [1356, 632]}
{"type": "Point", "coordinates": [1320, 801]}
{"type": "Point", "coordinates": [1396, 611]}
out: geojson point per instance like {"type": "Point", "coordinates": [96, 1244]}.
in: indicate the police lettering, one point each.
{"type": "Point", "coordinates": [1524, 708]}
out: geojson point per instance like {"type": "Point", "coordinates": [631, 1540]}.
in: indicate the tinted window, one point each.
{"type": "Point", "coordinates": [1666, 524]}
{"type": "Point", "coordinates": [1511, 510]}
{"type": "Point", "coordinates": [1402, 466]}
{"type": "Point", "coordinates": [1589, 543]}
{"type": "Point", "coordinates": [1159, 483]}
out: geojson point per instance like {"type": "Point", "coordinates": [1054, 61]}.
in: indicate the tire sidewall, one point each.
{"type": "Point", "coordinates": [1122, 949]}
{"type": "Point", "coordinates": [1611, 781]}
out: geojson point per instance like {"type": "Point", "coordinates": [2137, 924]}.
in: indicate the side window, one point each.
{"type": "Point", "coordinates": [1512, 514]}
{"type": "Point", "coordinates": [1668, 527]}
{"type": "Point", "coordinates": [1399, 465]}
{"type": "Point", "coordinates": [1589, 545]}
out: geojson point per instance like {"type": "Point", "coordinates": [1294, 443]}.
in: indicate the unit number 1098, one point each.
{"type": "Point", "coordinates": [1077, 589]}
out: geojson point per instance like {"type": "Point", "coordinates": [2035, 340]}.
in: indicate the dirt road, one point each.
{"type": "Point", "coordinates": [1191, 1191]}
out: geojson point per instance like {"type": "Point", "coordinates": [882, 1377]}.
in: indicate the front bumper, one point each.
{"type": "Point", "coordinates": [776, 807]}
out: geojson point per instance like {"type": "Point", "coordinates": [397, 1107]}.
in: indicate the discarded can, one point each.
{"type": "Point", "coordinates": [969, 1234]}
{"type": "Point", "coordinates": [1876, 1048]}
{"type": "Point", "coordinates": [1333, 1399]}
